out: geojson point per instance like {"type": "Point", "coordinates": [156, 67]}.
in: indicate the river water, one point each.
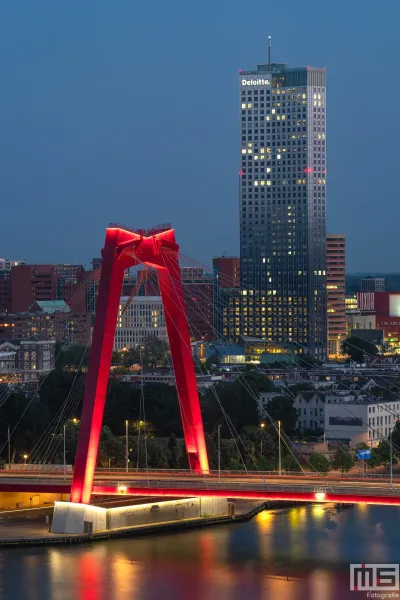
{"type": "Point", "coordinates": [300, 553]}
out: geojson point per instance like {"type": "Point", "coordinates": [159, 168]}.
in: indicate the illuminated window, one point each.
{"type": "Point", "coordinates": [244, 105]}
{"type": "Point", "coordinates": [273, 111]}
{"type": "Point", "coordinates": [244, 151]}
{"type": "Point", "coordinates": [278, 156]}
{"type": "Point", "coordinates": [249, 105]}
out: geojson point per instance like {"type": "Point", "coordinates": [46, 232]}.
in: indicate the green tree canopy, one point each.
{"type": "Point", "coordinates": [319, 463]}
{"type": "Point", "coordinates": [343, 459]}
{"type": "Point", "coordinates": [281, 408]}
{"type": "Point", "coordinates": [356, 346]}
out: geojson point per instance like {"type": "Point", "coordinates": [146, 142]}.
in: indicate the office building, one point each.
{"type": "Point", "coordinates": [143, 318]}
{"type": "Point", "coordinates": [30, 283]}
{"type": "Point", "coordinates": [227, 270]}
{"type": "Point", "coordinates": [282, 179]}
{"type": "Point", "coordinates": [336, 292]}
{"type": "Point", "coordinates": [373, 284]}
{"type": "Point", "coordinates": [197, 288]}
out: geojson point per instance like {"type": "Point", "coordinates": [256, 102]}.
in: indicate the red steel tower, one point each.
{"type": "Point", "coordinates": [125, 248]}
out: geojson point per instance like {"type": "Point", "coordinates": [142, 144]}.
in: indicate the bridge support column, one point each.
{"type": "Point", "coordinates": [112, 274]}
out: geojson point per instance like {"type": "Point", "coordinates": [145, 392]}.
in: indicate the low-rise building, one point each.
{"type": "Point", "coordinates": [51, 319]}
{"type": "Point", "coordinates": [26, 360]}
{"type": "Point", "coordinates": [363, 419]}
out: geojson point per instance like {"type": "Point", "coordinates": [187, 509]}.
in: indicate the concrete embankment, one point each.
{"type": "Point", "coordinates": [22, 535]}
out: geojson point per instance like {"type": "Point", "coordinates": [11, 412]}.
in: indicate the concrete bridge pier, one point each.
{"type": "Point", "coordinates": [70, 517]}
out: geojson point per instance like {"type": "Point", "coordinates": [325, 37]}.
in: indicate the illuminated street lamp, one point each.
{"type": "Point", "coordinates": [262, 425]}
{"type": "Point", "coordinates": [279, 448]}
{"type": "Point", "coordinates": [126, 446]}
{"type": "Point", "coordinates": [25, 456]}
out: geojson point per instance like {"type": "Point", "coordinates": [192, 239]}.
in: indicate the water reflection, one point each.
{"type": "Point", "coordinates": [302, 553]}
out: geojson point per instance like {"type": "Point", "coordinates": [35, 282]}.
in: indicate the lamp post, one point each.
{"type": "Point", "coordinates": [65, 456]}
{"type": "Point", "coordinates": [126, 447]}
{"type": "Point", "coordinates": [219, 453]}
{"type": "Point", "coordinates": [9, 446]}
{"type": "Point", "coordinates": [261, 443]}
{"type": "Point", "coordinates": [279, 448]}
{"type": "Point", "coordinates": [391, 458]}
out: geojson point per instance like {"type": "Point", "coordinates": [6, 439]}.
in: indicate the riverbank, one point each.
{"type": "Point", "coordinates": [38, 534]}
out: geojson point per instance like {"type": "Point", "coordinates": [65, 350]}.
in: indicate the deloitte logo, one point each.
{"type": "Point", "coordinates": [255, 82]}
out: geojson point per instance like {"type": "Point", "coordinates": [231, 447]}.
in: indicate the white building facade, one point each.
{"type": "Point", "coordinates": [143, 318]}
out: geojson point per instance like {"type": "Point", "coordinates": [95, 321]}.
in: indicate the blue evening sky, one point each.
{"type": "Point", "coordinates": [127, 111]}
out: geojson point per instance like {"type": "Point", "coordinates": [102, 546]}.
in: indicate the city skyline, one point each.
{"type": "Point", "coordinates": [87, 140]}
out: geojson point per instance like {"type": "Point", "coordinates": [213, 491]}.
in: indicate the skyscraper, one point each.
{"type": "Point", "coordinates": [336, 292]}
{"type": "Point", "coordinates": [282, 204]}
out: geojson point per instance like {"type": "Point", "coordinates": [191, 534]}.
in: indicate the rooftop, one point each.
{"type": "Point", "coordinates": [50, 306]}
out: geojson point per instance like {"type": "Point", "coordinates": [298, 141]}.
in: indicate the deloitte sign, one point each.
{"type": "Point", "coordinates": [255, 82]}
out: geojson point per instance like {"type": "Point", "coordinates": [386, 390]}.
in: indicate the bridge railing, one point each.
{"type": "Point", "coordinates": [122, 485]}
{"type": "Point", "coordinates": [43, 470]}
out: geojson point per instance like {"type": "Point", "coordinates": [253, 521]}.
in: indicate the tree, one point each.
{"type": "Point", "coordinates": [355, 347]}
{"type": "Point", "coordinates": [281, 408]}
{"type": "Point", "coordinates": [116, 358]}
{"type": "Point", "coordinates": [343, 459]}
{"type": "Point", "coordinates": [142, 428]}
{"type": "Point", "coordinates": [289, 463]}
{"type": "Point", "coordinates": [319, 463]}
{"type": "Point", "coordinates": [72, 358]}
{"type": "Point", "coordinates": [363, 446]}
{"type": "Point", "coordinates": [153, 352]}
{"type": "Point", "coordinates": [212, 362]}
{"type": "Point", "coordinates": [130, 357]}
{"type": "Point", "coordinates": [396, 435]}
{"type": "Point", "coordinates": [307, 361]}
{"type": "Point", "coordinates": [174, 452]}
{"type": "Point", "coordinates": [111, 449]}
{"type": "Point", "coordinates": [265, 444]}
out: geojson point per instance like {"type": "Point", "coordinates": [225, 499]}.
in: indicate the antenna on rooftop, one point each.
{"type": "Point", "coordinates": [269, 51]}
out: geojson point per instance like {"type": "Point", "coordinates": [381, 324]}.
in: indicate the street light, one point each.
{"type": "Point", "coordinates": [262, 428]}
{"type": "Point", "coordinates": [126, 447]}
{"type": "Point", "coordinates": [391, 457]}
{"type": "Point", "coordinates": [279, 448]}
{"type": "Point", "coordinates": [25, 457]}
{"type": "Point", "coordinates": [219, 453]}
{"type": "Point", "coordinates": [65, 456]}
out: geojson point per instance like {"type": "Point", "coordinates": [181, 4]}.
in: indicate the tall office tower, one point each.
{"type": "Point", "coordinates": [282, 204]}
{"type": "Point", "coordinates": [336, 292]}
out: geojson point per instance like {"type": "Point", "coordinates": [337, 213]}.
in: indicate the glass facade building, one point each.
{"type": "Point", "coordinates": [282, 183]}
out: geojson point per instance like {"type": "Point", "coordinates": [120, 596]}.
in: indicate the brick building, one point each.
{"type": "Point", "coordinates": [227, 269]}
{"type": "Point", "coordinates": [50, 319]}
{"type": "Point", "coordinates": [31, 283]}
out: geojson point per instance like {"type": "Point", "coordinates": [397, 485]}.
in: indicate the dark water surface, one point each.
{"type": "Point", "coordinates": [302, 553]}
